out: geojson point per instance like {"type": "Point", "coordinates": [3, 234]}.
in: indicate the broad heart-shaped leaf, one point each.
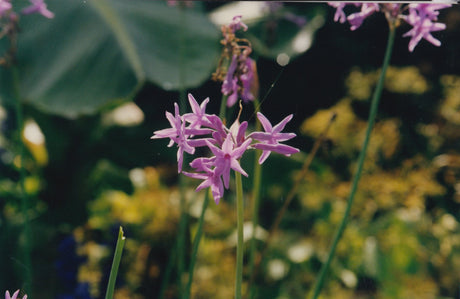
{"type": "Point", "coordinates": [95, 52]}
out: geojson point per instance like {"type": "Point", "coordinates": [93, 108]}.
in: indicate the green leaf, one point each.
{"type": "Point", "coordinates": [115, 264]}
{"type": "Point", "coordinates": [94, 53]}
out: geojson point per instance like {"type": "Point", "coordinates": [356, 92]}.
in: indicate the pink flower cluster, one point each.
{"type": "Point", "coordinates": [199, 129]}
{"type": "Point", "coordinates": [421, 17]}
{"type": "Point", "coordinates": [36, 6]}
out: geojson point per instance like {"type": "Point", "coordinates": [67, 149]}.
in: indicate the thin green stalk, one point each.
{"type": "Point", "coordinates": [255, 206]}
{"type": "Point", "coordinates": [168, 271]}
{"type": "Point", "coordinates": [223, 108]}
{"type": "Point", "coordinates": [115, 264]}
{"type": "Point", "coordinates": [181, 235]}
{"type": "Point", "coordinates": [22, 178]}
{"type": "Point", "coordinates": [255, 216]}
{"type": "Point", "coordinates": [255, 201]}
{"type": "Point", "coordinates": [182, 61]}
{"type": "Point", "coordinates": [256, 192]}
{"type": "Point", "coordinates": [240, 242]}
{"type": "Point", "coordinates": [300, 177]}
{"type": "Point", "coordinates": [183, 205]}
{"type": "Point", "coordinates": [178, 251]}
{"type": "Point", "coordinates": [372, 114]}
{"type": "Point", "coordinates": [196, 244]}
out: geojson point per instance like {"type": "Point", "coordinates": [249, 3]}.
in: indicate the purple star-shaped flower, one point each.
{"type": "Point", "coordinates": [211, 179]}
{"type": "Point", "coordinates": [421, 17]}
{"type": "Point", "coordinates": [237, 24]}
{"type": "Point", "coordinates": [238, 132]}
{"type": "Point", "coordinates": [271, 137]}
{"type": "Point", "coordinates": [227, 145]}
{"type": "Point", "coordinates": [38, 6]}
{"type": "Point", "coordinates": [426, 10]}
{"type": "Point", "coordinates": [15, 295]}
{"type": "Point", "coordinates": [5, 5]}
{"type": "Point", "coordinates": [357, 19]}
{"type": "Point", "coordinates": [199, 117]}
{"type": "Point", "coordinates": [177, 134]}
{"type": "Point", "coordinates": [227, 158]}
{"type": "Point", "coordinates": [339, 15]}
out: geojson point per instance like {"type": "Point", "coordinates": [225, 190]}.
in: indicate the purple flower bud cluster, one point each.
{"type": "Point", "coordinates": [239, 79]}
{"type": "Point", "coordinates": [227, 145]}
{"type": "Point", "coordinates": [9, 24]}
{"type": "Point", "coordinates": [420, 16]}
{"type": "Point", "coordinates": [5, 6]}
{"type": "Point", "coordinates": [37, 6]}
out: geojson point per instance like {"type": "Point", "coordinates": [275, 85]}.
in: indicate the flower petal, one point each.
{"type": "Point", "coordinates": [277, 148]}
{"type": "Point", "coordinates": [280, 126]}
{"type": "Point", "coordinates": [264, 156]}
{"type": "Point", "coordinates": [265, 122]}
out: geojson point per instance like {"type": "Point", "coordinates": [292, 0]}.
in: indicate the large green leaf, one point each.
{"type": "Point", "coordinates": [98, 51]}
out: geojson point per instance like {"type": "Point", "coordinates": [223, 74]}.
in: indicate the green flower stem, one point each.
{"type": "Point", "coordinates": [240, 242]}
{"type": "Point", "coordinates": [255, 199]}
{"type": "Point", "coordinates": [168, 270]}
{"type": "Point", "coordinates": [299, 178]}
{"type": "Point", "coordinates": [183, 222]}
{"type": "Point", "coordinates": [223, 108]}
{"type": "Point", "coordinates": [255, 215]}
{"type": "Point", "coordinates": [115, 264]}
{"type": "Point", "coordinates": [196, 244]}
{"type": "Point", "coordinates": [372, 114]}
{"type": "Point", "coordinates": [183, 205]}
{"type": "Point", "coordinates": [22, 178]}
{"type": "Point", "coordinates": [181, 234]}
{"type": "Point", "coordinates": [182, 60]}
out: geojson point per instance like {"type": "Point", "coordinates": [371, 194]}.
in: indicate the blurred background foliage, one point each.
{"type": "Point", "coordinates": [95, 82]}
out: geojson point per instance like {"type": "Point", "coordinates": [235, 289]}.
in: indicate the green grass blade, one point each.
{"type": "Point", "coordinates": [115, 264]}
{"type": "Point", "coordinates": [196, 244]}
